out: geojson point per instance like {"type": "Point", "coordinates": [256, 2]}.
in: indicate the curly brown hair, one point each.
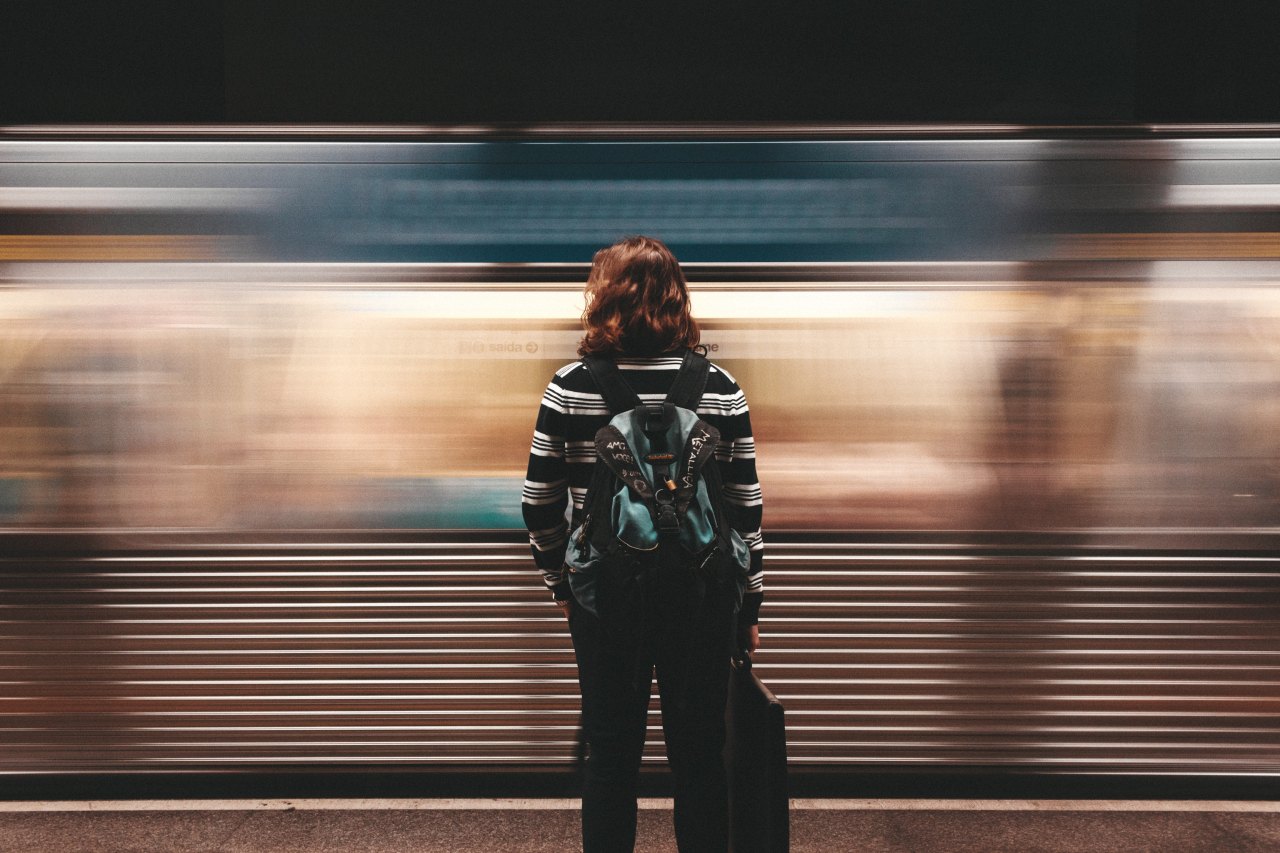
{"type": "Point", "coordinates": [637, 301]}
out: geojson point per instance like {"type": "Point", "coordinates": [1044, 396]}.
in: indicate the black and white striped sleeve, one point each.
{"type": "Point", "coordinates": [744, 503]}
{"type": "Point", "coordinates": [546, 487]}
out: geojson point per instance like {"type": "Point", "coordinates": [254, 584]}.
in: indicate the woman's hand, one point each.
{"type": "Point", "coordinates": [565, 605]}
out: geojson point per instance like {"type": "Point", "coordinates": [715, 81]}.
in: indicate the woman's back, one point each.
{"type": "Point", "coordinates": [563, 455]}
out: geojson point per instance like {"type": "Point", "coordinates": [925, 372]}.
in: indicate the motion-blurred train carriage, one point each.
{"type": "Point", "coordinates": [265, 404]}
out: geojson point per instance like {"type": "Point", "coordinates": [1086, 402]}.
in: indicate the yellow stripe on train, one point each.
{"type": "Point", "coordinates": [112, 247]}
{"type": "Point", "coordinates": [1168, 245]}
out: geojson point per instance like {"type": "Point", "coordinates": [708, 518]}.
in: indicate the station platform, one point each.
{"type": "Point", "coordinates": [536, 825]}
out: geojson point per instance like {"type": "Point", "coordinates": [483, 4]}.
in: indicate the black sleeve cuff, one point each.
{"type": "Point", "coordinates": [750, 612]}
{"type": "Point", "coordinates": [549, 560]}
{"type": "Point", "coordinates": [561, 591]}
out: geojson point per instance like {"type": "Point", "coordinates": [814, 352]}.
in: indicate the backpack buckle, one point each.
{"type": "Point", "coordinates": [657, 416]}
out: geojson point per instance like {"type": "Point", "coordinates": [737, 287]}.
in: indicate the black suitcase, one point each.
{"type": "Point", "coordinates": [756, 757]}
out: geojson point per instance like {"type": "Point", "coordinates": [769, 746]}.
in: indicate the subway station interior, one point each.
{"type": "Point", "coordinates": [281, 289]}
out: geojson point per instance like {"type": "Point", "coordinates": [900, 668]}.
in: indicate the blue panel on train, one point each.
{"type": "Point", "coordinates": [765, 201]}
{"type": "Point", "coordinates": [712, 203]}
{"type": "Point", "coordinates": [11, 496]}
{"type": "Point", "coordinates": [530, 202]}
{"type": "Point", "coordinates": [443, 502]}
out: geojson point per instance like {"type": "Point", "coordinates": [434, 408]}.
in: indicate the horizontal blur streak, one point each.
{"type": "Point", "coordinates": [110, 247]}
{"type": "Point", "coordinates": [997, 332]}
{"type": "Point", "coordinates": [1168, 246]}
{"type": "Point", "coordinates": [188, 400]}
{"type": "Point", "coordinates": [227, 651]}
{"type": "Point", "coordinates": [128, 199]}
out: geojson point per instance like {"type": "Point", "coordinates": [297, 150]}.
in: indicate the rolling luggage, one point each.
{"type": "Point", "coordinates": [756, 757]}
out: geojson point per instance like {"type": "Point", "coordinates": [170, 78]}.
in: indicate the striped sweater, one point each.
{"type": "Point", "coordinates": [563, 455]}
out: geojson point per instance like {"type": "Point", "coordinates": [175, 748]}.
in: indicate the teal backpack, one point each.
{"type": "Point", "coordinates": [653, 525]}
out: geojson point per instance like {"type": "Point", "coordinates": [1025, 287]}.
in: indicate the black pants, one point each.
{"type": "Point", "coordinates": [690, 651]}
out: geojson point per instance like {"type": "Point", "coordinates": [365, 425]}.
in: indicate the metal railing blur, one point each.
{"type": "Point", "coordinates": [1134, 654]}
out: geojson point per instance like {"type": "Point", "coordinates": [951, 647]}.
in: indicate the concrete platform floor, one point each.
{"type": "Point", "coordinates": [535, 826]}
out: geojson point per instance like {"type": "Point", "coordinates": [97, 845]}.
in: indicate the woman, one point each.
{"type": "Point", "coordinates": [637, 314]}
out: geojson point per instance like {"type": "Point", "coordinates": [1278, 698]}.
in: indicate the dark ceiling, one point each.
{"type": "Point", "coordinates": [510, 62]}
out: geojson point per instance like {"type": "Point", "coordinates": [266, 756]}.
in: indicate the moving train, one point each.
{"type": "Point", "coordinates": [266, 398]}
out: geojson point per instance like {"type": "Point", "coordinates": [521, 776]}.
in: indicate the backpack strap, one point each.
{"type": "Point", "coordinates": [686, 389]}
{"type": "Point", "coordinates": [690, 382]}
{"type": "Point", "coordinates": [617, 394]}
{"type": "Point", "coordinates": [698, 451]}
